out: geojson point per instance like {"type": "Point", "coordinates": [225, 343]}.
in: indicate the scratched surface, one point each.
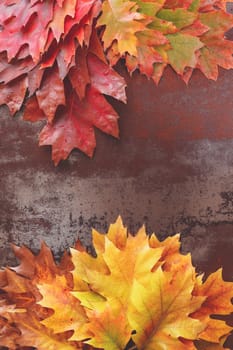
{"type": "Point", "coordinates": [172, 169]}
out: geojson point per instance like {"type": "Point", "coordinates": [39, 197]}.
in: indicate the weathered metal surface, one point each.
{"type": "Point", "coordinates": [172, 169]}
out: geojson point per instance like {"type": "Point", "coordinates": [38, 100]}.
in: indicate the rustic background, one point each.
{"type": "Point", "coordinates": [172, 169]}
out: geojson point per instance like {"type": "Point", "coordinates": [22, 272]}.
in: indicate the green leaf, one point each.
{"type": "Point", "coordinates": [150, 8]}
{"type": "Point", "coordinates": [183, 51]}
{"type": "Point", "coordinates": [194, 6]}
{"type": "Point", "coordinates": [162, 26]}
{"type": "Point", "coordinates": [180, 18]}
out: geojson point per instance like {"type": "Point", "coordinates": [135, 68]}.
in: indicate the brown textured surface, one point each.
{"type": "Point", "coordinates": [172, 170]}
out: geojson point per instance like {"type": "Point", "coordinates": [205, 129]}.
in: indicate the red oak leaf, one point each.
{"type": "Point", "coordinates": [79, 74]}
{"type": "Point", "coordinates": [105, 79]}
{"type": "Point", "coordinates": [15, 69]}
{"type": "Point", "coordinates": [51, 94]}
{"type": "Point", "coordinates": [73, 127]}
{"type": "Point", "coordinates": [13, 94]}
{"type": "Point", "coordinates": [25, 25]}
{"type": "Point", "coordinates": [32, 111]}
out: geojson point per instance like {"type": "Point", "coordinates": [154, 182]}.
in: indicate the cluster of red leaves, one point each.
{"type": "Point", "coordinates": [50, 51]}
{"type": "Point", "coordinates": [56, 56]}
{"type": "Point", "coordinates": [137, 289]}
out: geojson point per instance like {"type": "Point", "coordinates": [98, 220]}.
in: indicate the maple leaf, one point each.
{"type": "Point", "coordinates": [135, 277]}
{"type": "Point", "coordinates": [217, 50]}
{"type": "Point", "coordinates": [122, 21]}
{"type": "Point", "coordinates": [48, 46]}
{"type": "Point", "coordinates": [179, 17]}
{"type": "Point", "coordinates": [58, 297]}
{"type": "Point", "coordinates": [21, 313]}
{"type": "Point", "coordinates": [184, 23]}
{"type": "Point", "coordinates": [8, 331]}
{"type": "Point", "coordinates": [137, 288]}
{"type": "Point", "coordinates": [218, 302]}
{"type": "Point", "coordinates": [179, 59]}
{"type": "Point", "coordinates": [33, 333]}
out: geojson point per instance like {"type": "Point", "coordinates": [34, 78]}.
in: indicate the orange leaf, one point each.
{"type": "Point", "coordinates": [68, 313]}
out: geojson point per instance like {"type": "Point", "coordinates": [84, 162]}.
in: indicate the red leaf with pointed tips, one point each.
{"type": "Point", "coordinates": [13, 94]}
{"type": "Point", "coordinates": [105, 79]}
{"type": "Point", "coordinates": [32, 111]}
{"type": "Point", "coordinates": [79, 74]}
{"type": "Point", "coordinates": [51, 94]}
{"type": "Point", "coordinates": [74, 127]}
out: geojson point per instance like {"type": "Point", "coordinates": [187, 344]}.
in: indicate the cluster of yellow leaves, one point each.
{"type": "Point", "coordinates": [151, 34]}
{"type": "Point", "coordinates": [137, 289]}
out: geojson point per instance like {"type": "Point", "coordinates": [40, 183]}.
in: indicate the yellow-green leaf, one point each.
{"type": "Point", "coordinates": [179, 17]}
{"type": "Point", "coordinates": [183, 49]}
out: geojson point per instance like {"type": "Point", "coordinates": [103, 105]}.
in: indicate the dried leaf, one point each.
{"type": "Point", "coordinates": [73, 127]}
{"type": "Point", "coordinates": [136, 289]}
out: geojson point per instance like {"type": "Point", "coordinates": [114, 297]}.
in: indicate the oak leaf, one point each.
{"type": "Point", "coordinates": [51, 94]}
{"type": "Point", "coordinates": [218, 301]}
{"type": "Point", "coordinates": [47, 46]}
{"type": "Point", "coordinates": [148, 285]}
{"type": "Point", "coordinates": [57, 295]}
{"type": "Point", "coordinates": [33, 333]}
{"type": "Point", "coordinates": [137, 288]}
{"type": "Point", "coordinates": [73, 127]}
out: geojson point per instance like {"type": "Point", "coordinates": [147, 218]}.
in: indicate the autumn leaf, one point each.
{"type": "Point", "coordinates": [13, 94]}
{"type": "Point", "coordinates": [33, 333]}
{"type": "Point", "coordinates": [25, 24]}
{"type": "Point", "coordinates": [73, 127]}
{"type": "Point", "coordinates": [81, 115]}
{"type": "Point", "coordinates": [59, 297]}
{"type": "Point", "coordinates": [150, 282]}
{"type": "Point", "coordinates": [153, 313]}
{"type": "Point", "coordinates": [52, 52]}
{"type": "Point", "coordinates": [180, 59]}
{"type": "Point", "coordinates": [21, 315]}
{"type": "Point", "coordinates": [218, 302]}
{"type": "Point", "coordinates": [179, 17]}
{"type": "Point", "coordinates": [121, 21]}
{"type": "Point", "coordinates": [51, 94]}
{"type": "Point", "coordinates": [45, 44]}
{"type": "Point", "coordinates": [186, 24]}
{"type": "Point", "coordinates": [137, 288]}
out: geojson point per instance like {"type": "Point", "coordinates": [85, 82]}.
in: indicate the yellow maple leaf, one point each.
{"type": "Point", "coordinates": [33, 333]}
{"type": "Point", "coordinates": [122, 22]}
{"type": "Point", "coordinates": [218, 302]}
{"type": "Point", "coordinates": [136, 289]}
{"type": "Point", "coordinates": [68, 313]}
{"type": "Point", "coordinates": [142, 286]}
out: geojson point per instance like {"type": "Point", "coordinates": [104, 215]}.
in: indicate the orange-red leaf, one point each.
{"type": "Point", "coordinates": [73, 127]}
{"type": "Point", "coordinates": [51, 95]}
{"type": "Point", "coordinates": [13, 94]}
